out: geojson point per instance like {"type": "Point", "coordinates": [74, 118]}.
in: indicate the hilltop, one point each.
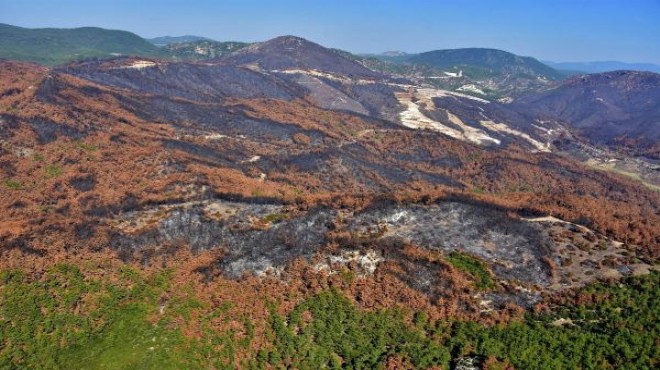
{"type": "Point", "coordinates": [291, 52]}
{"type": "Point", "coordinates": [486, 62]}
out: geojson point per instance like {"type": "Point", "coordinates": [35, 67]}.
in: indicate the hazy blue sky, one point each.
{"type": "Point", "coordinates": [559, 30]}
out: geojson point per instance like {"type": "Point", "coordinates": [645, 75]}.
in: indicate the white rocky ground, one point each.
{"type": "Point", "coordinates": [417, 99]}
{"type": "Point", "coordinates": [366, 262]}
{"type": "Point", "coordinates": [500, 127]}
{"type": "Point", "coordinates": [139, 64]}
{"type": "Point", "coordinates": [413, 117]}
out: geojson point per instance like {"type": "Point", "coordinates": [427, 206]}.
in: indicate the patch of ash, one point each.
{"type": "Point", "coordinates": [255, 237]}
{"type": "Point", "coordinates": [514, 249]}
{"type": "Point", "coordinates": [365, 261]}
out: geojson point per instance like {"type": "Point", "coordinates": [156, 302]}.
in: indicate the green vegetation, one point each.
{"type": "Point", "coordinates": [53, 170]}
{"type": "Point", "coordinates": [166, 40]}
{"type": "Point", "coordinates": [86, 147]}
{"type": "Point", "coordinates": [42, 326]}
{"type": "Point", "coordinates": [203, 49]}
{"type": "Point", "coordinates": [473, 266]}
{"type": "Point", "coordinates": [257, 193]}
{"type": "Point", "coordinates": [341, 336]}
{"type": "Point", "coordinates": [298, 192]}
{"type": "Point", "coordinates": [274, 218]}
{"type": "Point", "coordinates": [12, 184]}
{"type": "Point", "coordinates": [484, 63]}
{"type": "Point", "coordinates": [617, 330]}
{"type": "Point", "coordinates": [64, 319]}
{"type": "Point", "coordinates": [478, 190]}
{"type": "Point", "coordinates": [53, 46]}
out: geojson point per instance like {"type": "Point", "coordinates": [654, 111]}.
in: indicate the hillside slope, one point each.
{"type": "Point", "coordinates": [225, 133]}
{"type": "Point", "coordinates": [290, 52]}
{"type": "Point", "coordinates": [618, 109]}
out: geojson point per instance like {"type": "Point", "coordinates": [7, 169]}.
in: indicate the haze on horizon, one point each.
{"type": "Point", "coordinates": [560, 30]}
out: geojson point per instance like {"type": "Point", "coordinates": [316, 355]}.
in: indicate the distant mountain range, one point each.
{"type": "Point", "coordinates": [486, 73]}
{"type": "Point", "coordinates": [598, 67]}
{"type": "Point", "coordinates": [481, 72]}
{"type": "Point", "coordinates": [490, 61]}
{"type": "Point", "coordinates": [165, 40]}
{"type": "Point", "coordinates": [52, 46]}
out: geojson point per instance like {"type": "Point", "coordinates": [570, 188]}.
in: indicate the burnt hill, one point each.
{"type": "Point", "coordinates": [290, 52]}
{"type": "Point", "coordinates": [618, 109]}
{"type": "Point", "coordinates": [87, 122]}
{"type": "Point", "coordinates": [157, 162]}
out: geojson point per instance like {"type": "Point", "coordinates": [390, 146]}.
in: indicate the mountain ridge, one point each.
{"type": "Point", "coordinates": [613, 108]}
{"type": "Point", "coordinates": [604, 66]}
{"type": "Point", "coordinates": [53, 46]}
{"type": "Point", "coordinates": [165, 40]}
{"type": "Point", "coordinates": [494, 59]}
{"type": "Point", "coordinates": [203, 49]}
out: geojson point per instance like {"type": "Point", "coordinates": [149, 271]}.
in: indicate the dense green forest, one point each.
{"type": "Point", "coordinates": [67, 320]}
{"type": "Point", "coordinates": [53, 46]}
